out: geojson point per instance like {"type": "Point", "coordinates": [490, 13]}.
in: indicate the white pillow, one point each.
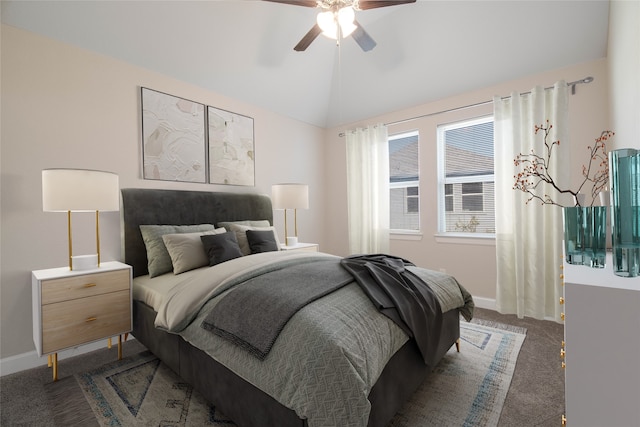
{"type": "Point", "coordinates": [187, 251]}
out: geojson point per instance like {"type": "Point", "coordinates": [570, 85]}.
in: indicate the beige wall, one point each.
{"type": "Point", "coordinates": [624, 72]}
{"type": "Point", "coordinates": [70, 108]}
{"type": "Point", "coordinates": [473, 263]}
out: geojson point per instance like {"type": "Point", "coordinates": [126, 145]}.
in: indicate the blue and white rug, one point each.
{"type": "Point", "coordinates": [466, 389]}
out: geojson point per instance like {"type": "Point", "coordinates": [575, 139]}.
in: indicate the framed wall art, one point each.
{"type": "Point", "coordinates": [173, 138]}
{"type": "Point", "coordinates": [231, 148]}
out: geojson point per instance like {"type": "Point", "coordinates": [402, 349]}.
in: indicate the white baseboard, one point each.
{"type": "Point", "coordinates": [488, 303]}
{"type": "Point", "coordinates": [29, 360]}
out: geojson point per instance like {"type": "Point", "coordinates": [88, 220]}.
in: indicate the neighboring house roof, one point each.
{"type": "Point", "coordinates": [403, 161]}
{"type": "Point", "coordinates": [458, 164]}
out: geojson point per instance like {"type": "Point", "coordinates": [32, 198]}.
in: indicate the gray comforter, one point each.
{"type": "Point", "coordinates": [339, 343]}
{"type": "Point", "coordinates": [254, 313]}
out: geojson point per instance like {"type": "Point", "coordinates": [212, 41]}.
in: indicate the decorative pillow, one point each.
{"type": "Point", "coordinates": [221, 247]}
{"type": "Point", "coordinates": [241, 235]}
{"type": "Point", "coordinates": [261, 241]}
{"type": "Point", "coordinates": [187, 251]}
{"type": "Point", "coordinates": [250, 222]}
{"type": "Point", "coordinates": [158, 259]}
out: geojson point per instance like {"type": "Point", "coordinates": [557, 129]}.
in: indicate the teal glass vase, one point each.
{"type": "Point", "coordinates": [624, 178]}
{"type": "Point", "coordinates": [585, 235]}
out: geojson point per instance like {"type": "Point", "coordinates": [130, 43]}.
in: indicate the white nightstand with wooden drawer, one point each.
{"type": "Point", "coordinates": [71, 308]}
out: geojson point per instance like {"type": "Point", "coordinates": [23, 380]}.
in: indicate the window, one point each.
{"type": "Point", "coordinates": [466, 177]}
{"type": "Point", "coordinates": [472, 196]}
{"type": "Point", "coordinates": [448, 197]}
{"type": "Point", "coordinates": [404, 195]}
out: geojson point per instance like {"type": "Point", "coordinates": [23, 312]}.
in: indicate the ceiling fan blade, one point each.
{"type": "Point", "coordinates": [308, 38]}
{"type": "Point", "coordinates": [363, 38]}
{"type": "Point", "coordinates": [305, 3]}
{"type": "Point", "coordinates": [373, 4]}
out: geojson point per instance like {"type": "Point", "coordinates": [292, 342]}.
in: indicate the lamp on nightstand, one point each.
{"type": "Point", "coordinates": [290, 196]}
{"type": "Point", "coordinates": [80, 190]}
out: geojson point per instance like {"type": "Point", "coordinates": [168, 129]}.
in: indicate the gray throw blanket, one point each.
{"type": "Point", "coordinates": [253, 315]}
{"type": "Point", "coordinates": [402, 296]}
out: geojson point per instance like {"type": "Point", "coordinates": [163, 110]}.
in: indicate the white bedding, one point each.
{"type": "Point", "coordinates": [152, 291]}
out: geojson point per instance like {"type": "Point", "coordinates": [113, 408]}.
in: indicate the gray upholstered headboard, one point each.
{"type": "Point", "coordinates": [150, 206]}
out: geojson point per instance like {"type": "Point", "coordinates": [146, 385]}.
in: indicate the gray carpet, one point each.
{"type": "Point", "coordinates": [535, 398]}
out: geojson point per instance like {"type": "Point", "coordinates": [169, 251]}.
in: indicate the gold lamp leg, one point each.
{"type": "Point", "coordinates": [98, 236]}
{"type": "Point", "coordinates": [295, 221]}
{"type": "Point", "coordinates": [70, 244]}
{"type": "Point", "coordinates": [285, 226]}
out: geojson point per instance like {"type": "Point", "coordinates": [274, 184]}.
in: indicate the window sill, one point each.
{"type": "Point", "coordinates": [405, 235]}
{"type": "Point", "coordinates": [480, 239]}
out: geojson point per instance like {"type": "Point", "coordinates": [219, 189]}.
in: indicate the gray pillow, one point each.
{"type": "Point", "coordinates": [158, 259]}
{"type": "Point", "coordinates": [249, 222]}
{"type": "Point", "coordinates": [241, 227]}
{"type": "Point", "coordinates": [186, 249]}
{"type": "Point", "coordinates": [262, 241]}
{"type": "Point", "coordinates": [221, 247]}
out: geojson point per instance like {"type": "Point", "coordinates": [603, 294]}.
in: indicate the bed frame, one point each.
{"type": "Point", "coordinates": [235, 397]}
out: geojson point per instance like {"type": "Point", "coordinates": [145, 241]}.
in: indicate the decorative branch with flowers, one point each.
{"type": "Point", "coordinates": [535, 171]}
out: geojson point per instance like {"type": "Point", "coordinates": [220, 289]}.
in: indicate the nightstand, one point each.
{"type": "Point", "coordinates": [310, 247]}
{"type": "Point", "coordinates": [77, 307]}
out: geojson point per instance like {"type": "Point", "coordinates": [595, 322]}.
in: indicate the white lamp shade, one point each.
{"type": "Point", "coordinates": [79, 190]}
{"type": "Point", "coordinates": [290, 196]}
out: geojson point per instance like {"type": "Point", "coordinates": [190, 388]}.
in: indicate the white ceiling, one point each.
{"type": "Point", "coordinates": [244, 48]}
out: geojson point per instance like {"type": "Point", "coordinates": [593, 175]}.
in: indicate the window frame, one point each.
{"type": "Point", "coordinates": [443, 180]}
{"type": "Point", "coordinates": [405, 185]}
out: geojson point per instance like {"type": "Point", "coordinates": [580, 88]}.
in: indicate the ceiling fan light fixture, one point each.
{"type": "Point", "coordinates": [346, 16]}
{"type": "Point", "coordinates": [328, 21]}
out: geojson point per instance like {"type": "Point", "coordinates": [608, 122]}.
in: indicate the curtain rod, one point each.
{"type": "Point", "coordinates": [477, 104]}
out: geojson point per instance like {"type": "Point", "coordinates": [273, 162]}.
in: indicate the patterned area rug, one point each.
{"type": "Point", "coordinates": [466, 389]}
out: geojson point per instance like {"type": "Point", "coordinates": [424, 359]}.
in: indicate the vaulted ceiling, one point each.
{"type": "Point", "coordinates": [425, 51]}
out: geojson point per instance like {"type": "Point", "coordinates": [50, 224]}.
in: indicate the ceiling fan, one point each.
{"type": "Point", "coordinates": [337, 20]}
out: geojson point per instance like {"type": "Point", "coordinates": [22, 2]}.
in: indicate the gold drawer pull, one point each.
{"type": "Point", "coordinates": [562, 316]}
{"type": "Point", "coordinates": [561, 300]}
{"type": "Point", "coordinates": [89, 285]}
{"type": "Point", "coordinates": [564, 365]}
{"type": "Point", "coordinates": [562, 353]}
{"type": "Point", "coordinates": [564, 421]}
{"type": "Point", "coordinates": [91, 319]}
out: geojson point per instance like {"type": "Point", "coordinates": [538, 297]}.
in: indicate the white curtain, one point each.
{"type": "Point", "coordinates": [529, 235]}
{"type": "Point", "coordinates": [368, 189]}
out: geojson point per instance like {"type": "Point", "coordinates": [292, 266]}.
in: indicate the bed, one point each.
{"type": "Point", "coordinates": [240, 384]}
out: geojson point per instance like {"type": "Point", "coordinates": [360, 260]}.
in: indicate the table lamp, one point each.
{"type": "Point", "coordinates": [80, 190]}
{"type": "Point", "coordinates": [290, 196]}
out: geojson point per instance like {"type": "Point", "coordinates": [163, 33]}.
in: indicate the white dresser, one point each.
{"type": "Point", "coordinates": [602, 347]}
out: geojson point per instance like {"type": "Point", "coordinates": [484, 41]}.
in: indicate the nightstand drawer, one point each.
{"type": "Point", "coordinates": [73, 287]}
{"type": "Point", "coordinates": [78, 321]}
